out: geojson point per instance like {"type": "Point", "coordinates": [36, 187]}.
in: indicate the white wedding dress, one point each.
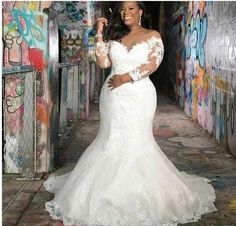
{"type": "Point", "coordinates": [123, 178]}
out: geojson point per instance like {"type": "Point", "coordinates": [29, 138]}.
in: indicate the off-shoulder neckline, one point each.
{"type": "Point", "coordinates": [137, 43]}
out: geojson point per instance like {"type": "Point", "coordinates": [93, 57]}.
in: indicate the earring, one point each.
{"type": "Point", "coordinates": [139, 21]}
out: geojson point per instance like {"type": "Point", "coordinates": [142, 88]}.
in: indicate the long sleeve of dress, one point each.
{"type": "Point", "coordinates": [155, 56]}
{"type": "Point", "coordinates": [101, 54]}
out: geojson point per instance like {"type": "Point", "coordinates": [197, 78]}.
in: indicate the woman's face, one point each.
{"type": "Point", "coordinates": [130, 12]}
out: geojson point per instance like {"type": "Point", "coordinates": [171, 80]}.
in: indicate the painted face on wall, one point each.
{"type": "Point", "coordinates": [130, 12]}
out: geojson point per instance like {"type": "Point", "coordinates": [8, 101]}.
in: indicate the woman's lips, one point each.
{"type": "Point", "coordinates": [127, 17]}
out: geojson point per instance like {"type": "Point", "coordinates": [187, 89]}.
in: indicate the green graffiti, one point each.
{"type": "Point", "coordinates": [20, 88]}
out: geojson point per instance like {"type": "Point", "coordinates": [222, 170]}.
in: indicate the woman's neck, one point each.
{"type": "Point", "coordinates": [135, 28]}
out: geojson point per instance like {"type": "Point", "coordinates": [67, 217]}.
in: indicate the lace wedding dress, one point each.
{"type": "Point", "coordinates": [123, 178]}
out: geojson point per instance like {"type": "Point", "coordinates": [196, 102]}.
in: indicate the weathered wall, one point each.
{"type": "Point", "coordinates": [19, 123]}
{"type": "Point", "coordinates": [201, 49]}
{"type": "Point", "coordinates": [26, 43]}
{"type": "Point", "coordinates": [75, 24]}
{"type": "Point", "coordinates": [25, 33]}
{"type": "Point", "coordinates": [30, 37]}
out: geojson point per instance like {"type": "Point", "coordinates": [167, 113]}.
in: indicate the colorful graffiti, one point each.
{"type": "Point", "coordinates": [25, 35]}
{"type": "Point", "coordinates": [18, 122]}
{"type": "Point", "coordinates": [71, 44]}
{"type": "Point", "coordinates": [14, 91]}
{"type": "Point", "coordinates": [195, 57]}
{"type": "Point", "coordinates": [77, 41]}
{"type": "Point", "coordinates": [77, 13]}
{"type": "Point", "coordinates": [196, 35]}
{"type": "Point", "coordinates": [24, 28]}
{"type": "Point", "coordinates": [205, 78]}
{"type": "Point", "coordinates": [25, 40]}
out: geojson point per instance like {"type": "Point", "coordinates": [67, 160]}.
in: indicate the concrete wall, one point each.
{"type": "Point", "coordinates": [201, 54]}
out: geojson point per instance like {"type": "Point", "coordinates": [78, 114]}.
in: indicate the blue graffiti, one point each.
{"type": "Point", "coordinates": [17, 159]}
{"type": "Point", "coordinates": [30, 31]}
{"type": "Point", "coordinates": [196, 33]}
{"type": "Point", "coordinates": [73, 13]}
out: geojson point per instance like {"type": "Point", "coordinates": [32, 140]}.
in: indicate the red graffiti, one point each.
{"type": "Point", "coordinates": [42, 112]}
{"type": "Point", "coordinates": [36, 58]}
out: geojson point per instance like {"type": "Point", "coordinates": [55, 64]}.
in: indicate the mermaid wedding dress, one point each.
{"type": "Point", "coordinates": [123, 178]}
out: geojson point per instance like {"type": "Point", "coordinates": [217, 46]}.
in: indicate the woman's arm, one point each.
{"type": "Point", "coordinates": [101, 47]}
{"type": "Point", "coordinates": [101, 54]}
{"type": "Point", "coordinates": [155, 56]}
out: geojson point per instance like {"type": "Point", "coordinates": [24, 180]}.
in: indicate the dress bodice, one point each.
{"type": "Point", "coordinates": [141, 60]}
{"type": "Point", "coordinates": [124, 59]}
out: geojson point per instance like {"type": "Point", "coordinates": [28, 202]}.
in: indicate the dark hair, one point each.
{"type": "Point", "coordinates": [116, 28]}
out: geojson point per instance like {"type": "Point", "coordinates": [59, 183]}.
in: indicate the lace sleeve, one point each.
{"type": "Point", "coordinates": [101, 54]}
{"type": "Point", "coordinates": [155, 56]}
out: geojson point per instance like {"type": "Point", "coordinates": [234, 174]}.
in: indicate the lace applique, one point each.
{"type": "Point", "coordinates": [142, 217]}
{"type": "Point", "coordinates": [101, 54]}
{"type": "Point", "coordinates": [155, 56]}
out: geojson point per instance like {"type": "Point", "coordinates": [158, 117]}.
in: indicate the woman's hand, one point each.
{"type": "Point", "coordinates": [115, 81]}
{"type": "Point", "coordinates": [118, 80]}
{"type": "Point", "coordinates": [101, 21]}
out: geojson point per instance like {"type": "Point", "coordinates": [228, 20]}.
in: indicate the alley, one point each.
{"type": "Point", "coordinates": [51, 88]}
{"type": "Point", "coordinates": [186, 144]}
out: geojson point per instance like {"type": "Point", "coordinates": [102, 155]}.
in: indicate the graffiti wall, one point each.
{"type": "Point", "coordinates": [75, 22]}
{"type": "Point", "coordinates": [25, 43]}
{"type": "Point", "coordinates": [77, 41]}
{"type": "Point", "coordinates": [25, 32]}
{"type": "Point", "coordinates": [221, 62]}
{"type": "Point", "coordinates": [14, 119]}
{"type": "Point", "coordinates": [202, 50]}
{"type": "Point", "coordinates": [27, 27]}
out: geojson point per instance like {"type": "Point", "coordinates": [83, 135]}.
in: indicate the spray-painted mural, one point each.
{"type": "Point", "coordinates": [202, 45]}
{"type": "Point", "coordinates": [25, 32]}
{"type": "Point", "coordinates": [221, 57]}
{"type": "Point", "coordinates": [71, 44]}
{"type": "Point", "coordinates": [77, 41]}
{"type": "Point", "coordinates": [26, 27]}
{"type": "Point", "coordinates": [25, 41]}
{"type": "Point", "coordinates": [75, 19]}
{"type": "Point", "coordinates": [14, 92]}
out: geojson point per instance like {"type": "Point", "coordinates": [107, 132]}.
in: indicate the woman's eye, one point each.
{"type": "Point", "coordinates": [128, 9]}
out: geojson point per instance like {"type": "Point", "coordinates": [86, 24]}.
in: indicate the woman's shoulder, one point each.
{"type": "Point", "coordinates": [152, 33]}
{"type": "Point", "coordinates": [148, 33]}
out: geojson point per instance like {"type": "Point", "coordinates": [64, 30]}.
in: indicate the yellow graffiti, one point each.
{"type": "Point", "coordinates": [194, 98]}
{"type": "Point", "coordinates": [203, 79]}
{"type": "Point", "coordinates": [27, 5]}
{"type": "Point", "coordinates": [190, 7]}
{"type": "Point", "coordinates": [31, 6]}
{"type": "Point", "coordinates": [232, 204]}
{"type": "Point", "coordinates": [221, 84]}
{"type": "Point", "coordinates": [202, 6]}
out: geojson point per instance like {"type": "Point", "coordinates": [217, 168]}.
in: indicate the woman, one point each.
{"type": "Point", "coordinates": [123, 178]}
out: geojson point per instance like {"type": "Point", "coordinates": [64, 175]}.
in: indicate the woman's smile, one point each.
{"type": "Point", "coordinates": [130, 13]}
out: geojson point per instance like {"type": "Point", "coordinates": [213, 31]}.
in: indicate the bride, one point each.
{"type": "Point", "coordinates": [123, 178]}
